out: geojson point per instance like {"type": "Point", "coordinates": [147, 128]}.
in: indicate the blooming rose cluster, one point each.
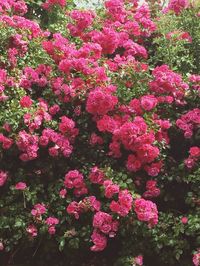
{"type": "Point", "coordinates": [194, 156]}
{"type": "Point", "coordinates": [67, 128]}
{"type": "Point", "coordinates": [100, 101]}
{"type": "Point", "coordinates": [74, 179]}
{"type": "Point", "coordinates": [123, 205]}
{"type": "Point", "coordinates": [96, 176]}
{"type": "Point", "coordinates": [110, 188]}
{"type": "Point", "coordinates": [19, 22]}
{"type": "Point", "coordinates": [61, 143]}
{"type": "Point", "coordinates": [38, 76]}
{"type": "Point", "coordinates": [168, 85]}
{"type": "Point", "coordinates": [87, 204]}
{"type": "Point", "coordinates": [5, 82]}
{"type": "Point", "coordinates": [18, 7]}
{"type": "Point", "coordinates": [38, 210]}
{"type": "Point", "coordinates": [196, 258]}
{"type": "Point", "coordinates": [82, 20]}
{"type": "Point", "coordinates": [151, 189]}
{"type": "Point", "coordinates": [134, 137]}
{"type": "Point", "coordinates": [195, 81]}
{"type": "Point", "coordinates": [103, 225]}
{"type": "Point", "coordinates": [50, 3]}
{"type": "Point", "coordinates": [146, 211]}
{"type": "Point", "coordinates": [34, 120]}
{"type": "Point", "coordinates": [177, 5]}
{"type": "Point", "coordinates": [189, 122]}
{"type": "Point", "coordinates": [6, 142]}
{"type": "Point", "coordinates": [51, 222]}
{"type": "Point", "coordinates": [28, 144]}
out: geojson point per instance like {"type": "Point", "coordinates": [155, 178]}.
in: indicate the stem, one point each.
{"type": "Point", "coordinates": [24, 200]}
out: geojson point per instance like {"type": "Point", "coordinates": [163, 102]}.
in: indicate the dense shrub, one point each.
{"type": "Point", "coordinates": [100, 132]}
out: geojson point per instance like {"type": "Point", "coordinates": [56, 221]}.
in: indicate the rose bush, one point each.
{"type": "Point", "coordinates": [100, 131]}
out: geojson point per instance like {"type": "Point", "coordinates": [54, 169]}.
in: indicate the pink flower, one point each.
{"type": "Point", "coordinates": [1, 246]}
{"type": "Point", "coordinates": [138, 260]}
{"type": "Point", "coordinates": [104, 223]}
{"type": "Point", "coordinates": [177, 5]}
{"type": "Point", "coordinates": [38, 210]}
{"type": "Point", "coordinates": [20, 186]}
{"type": "Point", "coordinates": [96, 176]}
{"type": "Point", "coordinates": [189, 163]}
{"type": "Point", "coordinates": [110, 188]}
{"type": "Point", "coordinates": [184, 220]}
{"type": "Point", "coordinates": [26, 102]}
{"type": "Point", "coordinates": [95, 139]}
{"type": "Point", "coordinates": [95, 205]}
{"type": "Point", "coordinates": [63, 193]}
{"type": "Point", "coordinates": [32, 230]}
{"type": "Point", "coordinates": [52, 221]}
{"type": "Point", "coordinates": [152, 190]}
{"type": "Point", "coordinates": [153, 169]}
{"type": "Point", "coordinates": [100, 102]}
{"type": "Point", "coordinates": [146, 211]}
{"type": "Point", "coordinates": [195, 152]}
{"type": "Point", "coordinates": [3, 178]}
{"type": "Point", "coordinates": [73, 179]}
{"type": "Point", "coordinates": [52, 230]}
{"type": "Point", "coordinates": [74, 209]}
{"type": "Point", "coordinates": [99, 240]}
{"type": "Point", "coordinates": [133, 164]}
{"type": "Point", "coordinates": [50, 3]}
{"type": "Point", "coordinates": [148, 102]}
{"type": "Point", "coordinates": [124, 203]}
{"type": "Point", "coordinates": [196, 258]}
{"type": "Point", "coordinates": [53, 110]}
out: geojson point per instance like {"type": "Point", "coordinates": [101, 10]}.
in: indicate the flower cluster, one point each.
{"type": "Point", "coordinates": [38, 210]}
{"type": "Point", "coordinates": [5, 142]}
{"type": "Point", "coordinates": [103, 225]}
{"type": "Point", "coordinates": [196, 258]}
{"type": "Point", "coordinates": [18, 7]}
{"type": "Point", "coordinates": [177, 5]}
{"type": "Point", "coordinates": [96, 176]}
{"type": "Point", "coordinates": [189, 122]}
{"type": "Point", "coordinates": [28, 144]}
{"type": "Point", "coordinates": [74, 179]}
{"type": "Point", "coordinates": [194, 156]}
{"type": "Point", "coordinates": [146, 211]}
{"type": "Point", "coordinates": [50, 3]}
{"type": "Point", "coordinates": [123, 205]}
{"type": "Point", "coordinates": [51, 222]}
{"type": "Point", "coordinates": [168, 85]}
{"type": "Point", "coordinates": [87, 204]}
{"type": "Point", "coordinates": [151, 189]}
{"type": "Point", "coordinates": [100, 101]}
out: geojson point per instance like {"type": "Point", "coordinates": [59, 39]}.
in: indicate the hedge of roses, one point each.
{"type": "Point", "coordinates": [100, 131]}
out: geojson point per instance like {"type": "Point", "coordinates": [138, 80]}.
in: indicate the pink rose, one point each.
{"type": "Point", "coordinates": [20, 186]}
{"type": "Point", "coordinates": [26, 102]}
{"type": "Point", "coordinates": [3, 178]}
{"type": "Point", "coordinates": [184, 220]}
{"type": "Point", "coordinates": [1, 246]}
{"type": "Point", "coordinates": [148, 102]}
